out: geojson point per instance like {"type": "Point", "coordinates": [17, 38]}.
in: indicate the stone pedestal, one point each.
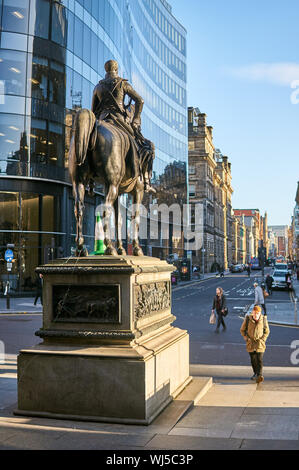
{"type": "Point", "coordinates": [109, 351]}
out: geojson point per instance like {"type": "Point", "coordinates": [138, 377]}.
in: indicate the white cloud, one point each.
{"type": "Point", "coordinates": [280, 73]}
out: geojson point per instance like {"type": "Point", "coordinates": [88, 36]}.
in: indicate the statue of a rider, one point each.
{"type": "Point", "coordinates": [108, 104]}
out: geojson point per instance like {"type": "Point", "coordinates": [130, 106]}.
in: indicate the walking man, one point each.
{"type": "Point", "coordinates": [269, 282]}
{"type": "Point", "coordinates": [248, 269]}
{"type": "Point", "coordinates": [39, 289]}
{"type": "Point", "coordinates": [259, 298]}
{"type": "Point", "coordinates": [255, 330]}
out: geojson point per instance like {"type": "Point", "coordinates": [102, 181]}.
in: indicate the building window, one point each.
{"type": "Point", "coordinates": [191, 170]}
{"type": "Point", "coordinates": [191, 190]}
{"type": "Point", "coordinates": [15, 16]}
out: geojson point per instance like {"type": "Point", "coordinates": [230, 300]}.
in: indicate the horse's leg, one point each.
{"type": "Point", "coordinates": [111, 196]}
{"type": "Point", "coordinates": [78, 192]}
{"type": "Point", "coordinates": [137, 199]}
{"type": "Point", "coordinates": [118, 226]}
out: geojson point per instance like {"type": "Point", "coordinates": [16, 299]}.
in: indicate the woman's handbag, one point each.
{"type": "Point", "coordinates": [225, 312]}
{"type": "Point", "coordinates": [265, 293]}
{"type": "Point", "coordinates": [212, 320]}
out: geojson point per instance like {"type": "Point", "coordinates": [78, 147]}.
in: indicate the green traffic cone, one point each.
{"type": "Point", "coordinates": [99, 246]}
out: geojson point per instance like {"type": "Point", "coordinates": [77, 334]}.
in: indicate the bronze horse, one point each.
{"type": "Point", "coordinates": [98, 152]}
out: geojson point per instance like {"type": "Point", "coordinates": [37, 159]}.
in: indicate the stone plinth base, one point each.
{"type": "Point", "coordinates": [117, 384]}
{"type": "Point", "coordinates": [109, 351]}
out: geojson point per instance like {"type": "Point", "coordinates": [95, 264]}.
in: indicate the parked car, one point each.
{"type": "Point", "coordinates": [279, 279]}
{"type": "Point", "coordinates": [281, 267]}
{"type": "Point", "coordinates": [236, 268]}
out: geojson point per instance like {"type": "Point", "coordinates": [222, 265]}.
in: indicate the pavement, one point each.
{"type": "Point", "coordinates": [222, 409]}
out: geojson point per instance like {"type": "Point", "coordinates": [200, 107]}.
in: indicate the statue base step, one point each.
{"type": "Point", "coordinates": [106, 384]}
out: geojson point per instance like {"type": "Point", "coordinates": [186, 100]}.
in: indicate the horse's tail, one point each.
{"type": "Point", "coordinates": [83, 127]}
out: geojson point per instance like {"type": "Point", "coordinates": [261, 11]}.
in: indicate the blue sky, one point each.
{"type": "Point", "coordinates": [242, 57]}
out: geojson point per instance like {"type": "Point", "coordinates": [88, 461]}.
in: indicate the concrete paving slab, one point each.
{"type": "Point", "coordinates": [211, 417]}
{"type": "Point", "coordinates": [267, 427]}
{"type": "Point", "coordinates": [203, 432]}
{"type": "Point", "coordinates": [20, 439]}
{"type": "Point", "coordinates": [269, 410]}
{"type": "Point", "coordinates": [255, 444]}
{"type": "Point", "coordinates": [52, 439]}
{"type": "Point", "coordinates": [192, 443]}
{"type": "Point", "coordinates": [276, 399]}
{"type": "Point", "coordinates": [229, 395]}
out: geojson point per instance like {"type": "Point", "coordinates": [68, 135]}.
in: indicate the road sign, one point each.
{"type": "Point", "coordinates": [9, 266]}
{"type": "Point", "coordinates": [8, 255]}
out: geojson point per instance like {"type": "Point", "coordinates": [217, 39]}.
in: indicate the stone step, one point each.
{"type": "Point", "coordinates": [184, 402]}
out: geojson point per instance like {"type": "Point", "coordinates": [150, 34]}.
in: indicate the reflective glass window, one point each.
{"type": "Point", "coordinates": [57, 83]}
{"type": "Point", "coordinates": [39, 18]}
{"type": "Point", "coordinates": [86, 44]}
{"type": "Point", "coordinates": [12, 104]}
{"type": "Point", "coordinates": [56, 144]}
{"type": "Point", "coordinates": [9, 211]}
{"type": "Point", "coordinates": [30, 212]}
{"type": "Point", "coordinates": [39, 79]}
{"type": "Point", "coordinates": [12, 72]}
{"type": "Point", "coordinates": [15, 15]}
{"type": "Point", "coordinates": [94, 51]}
{"type": "Point", "coordinates": [101, 13]}
{"type": "Point", "coordinates": [95, 9]}
{"type": "Point", "coordinates": [68, 89]}
{"type": "Point", "coordinates": [13, 143]}
{"type": "Point", "coordinates": [86, 98]}
{"type": "Point", "coordinates": [70, 31]}
{"type": "Point", "coordinates": [48, 213]}
{"type": "Point", "coordinates": [58, 33]}
{"type": "Point", "coordinates": [78, 43]}
{"type": "Point", "coordinates": [39, 147]}
{"type": "Point", "coordinates": [13, 41]}
{"type": "Point", "coordinates": [87, 5]}
{"type": "Point", "coordinates": [77, 91]}
{"type": "Point", "coordinates": [100, 50]}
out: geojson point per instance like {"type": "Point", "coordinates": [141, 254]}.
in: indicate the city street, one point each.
{"type": "Point", "coordinates": [192, 306]}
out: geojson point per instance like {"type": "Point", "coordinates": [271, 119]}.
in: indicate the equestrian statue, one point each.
{"type": "Point", "coordinates": [108, 147]}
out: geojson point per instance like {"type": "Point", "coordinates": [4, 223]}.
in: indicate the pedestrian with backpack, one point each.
{"type": "Point", "coordinates": [255, 330]}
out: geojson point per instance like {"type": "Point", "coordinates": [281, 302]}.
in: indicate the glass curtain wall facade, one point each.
{"type": "Point", "coordinates": [52, 54]}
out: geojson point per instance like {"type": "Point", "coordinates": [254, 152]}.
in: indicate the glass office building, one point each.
{"type": "Point", "coordinates": [52, 54]}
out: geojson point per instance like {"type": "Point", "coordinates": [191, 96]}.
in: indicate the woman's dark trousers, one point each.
{"type": "Point", "coordinates": [220, 321]}
{"type": "Point", "coordinates": [257, 362]}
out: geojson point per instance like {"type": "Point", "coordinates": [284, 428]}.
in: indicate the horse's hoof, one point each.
{"type": "Point", "coordinates": [110, 251]}
{"type": "Point", "coordinates": [137, 251]}
{"type": "Point", "coordinates": [121, 251]}
{"type": "Point", "coordinates": [80, 253]}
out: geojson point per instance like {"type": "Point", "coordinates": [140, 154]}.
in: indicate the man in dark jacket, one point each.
{"type": "Point", "coordinates": [39, 289]}
{"type": "Point", "coordinates": [269, 282]}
